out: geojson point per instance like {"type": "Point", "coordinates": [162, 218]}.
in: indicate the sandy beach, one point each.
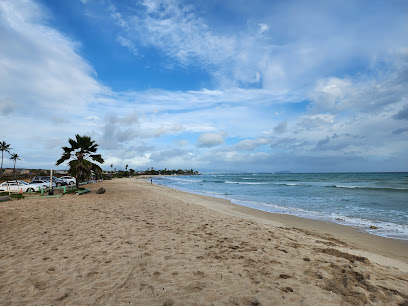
{"type": "Point", "coordinates": [143, 244]}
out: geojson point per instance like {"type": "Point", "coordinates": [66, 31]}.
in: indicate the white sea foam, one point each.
{"type": "Point", "coordinates": [293, 184]}
{"type": "Point", "coordinates": [308, 196]}
{"type": "Point", "coordinates": [384, 229]}
{"type": "Point", "coordinates": [215, 193]}
{"type": "Point", "coordinates": [182, 179]}
{"type": "Point", "coordinates": [245, 183]}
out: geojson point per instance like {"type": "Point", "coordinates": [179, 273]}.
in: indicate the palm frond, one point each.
{"type": "Point", "coordinates": [65, 156]}
{"type": "Point", "coordinates": [15, 156]}
{"type": "Point", "coordinates": [5, 147]}
{"type": "Point", "coordinates": [79, 153]}
{"type": "Point", "coordinates": [97, 157]}
{"type": "Point", "coordinates": [73, 143]}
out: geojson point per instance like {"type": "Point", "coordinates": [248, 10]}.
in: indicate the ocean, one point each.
{"type": "Point", "coordinates": [361, 200]}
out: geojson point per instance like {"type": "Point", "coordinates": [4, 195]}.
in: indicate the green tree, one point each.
{"type": "Point", "coordinates": [81, 154]}
{"type": "Point", "coordinates": [15, 157]}
{"type": "Point", "coordinates": [4, 147]}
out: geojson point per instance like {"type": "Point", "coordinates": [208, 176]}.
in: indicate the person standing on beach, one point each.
{"type": "Point", "coordinates": [151, 181]}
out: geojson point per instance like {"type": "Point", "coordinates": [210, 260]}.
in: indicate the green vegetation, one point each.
{"type": "Point", "coordinates": [17, 196]}
{"type": "Point", "coordinates": [81, 152]}
{"type": "Point", "coordinates": [151, 171]}
{"type": "Point", "coordinates": [171, 172]}
{"type": "Point", "coordinates": [70, 191]}
{"type": "Point", "coordinates": [15, 157]}
{"type": "Point", "coordinates": [4, 147]}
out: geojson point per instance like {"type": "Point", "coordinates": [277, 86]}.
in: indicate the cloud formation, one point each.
{"type": "Point", "coordinates": [208, 140]}
{"type": "Point", "coordinates": [40, 67]}
{"type": "Point", "coordinates": [310, 86]}
{"type": "Point", "coordinates": [310, 39]}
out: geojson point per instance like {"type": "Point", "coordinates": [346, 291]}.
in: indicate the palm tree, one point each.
{"type": "Point", "coordinates": [4, 147]}
{"type": "Point", "coordinates": [15, 157]}
{"type": "Point", "coordinates": [82, 149]}
{"type": "Point", "coordinates": [126, 167]}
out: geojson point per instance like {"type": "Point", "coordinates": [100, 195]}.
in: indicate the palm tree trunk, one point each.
{"type": "Point", "coordinates": [80, 157]}
{"type": "Point", "coordinates": [1, 171]}
{"type": "Point", "coordinates": [77, 182]}
{"type": "Point", "coordinates": [15, 175]}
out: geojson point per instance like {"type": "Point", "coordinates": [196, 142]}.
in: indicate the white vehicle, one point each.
{"type": "Point", "coordinates": [17, 186]}
{"type": "Point", "coordinates": [68, 179]}
{"type": "Point", "coordinates": [58, 182]}
{"type": "Point", "coordinates": [44, 182]}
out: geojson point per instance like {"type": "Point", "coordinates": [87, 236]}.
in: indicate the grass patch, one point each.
{"type": "Point", "coordinates": [17, 196]}
{"type": "Point", "coordinates": [70, 191]}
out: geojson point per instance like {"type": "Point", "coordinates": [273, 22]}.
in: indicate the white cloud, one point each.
{"type": "Point", "coordinates": [294, 44]}
{"type": "Point", "coordinates": [50, 74]}
{"type": "Point", "coordinates": [177, 31]}
{"type": "Point", "coordinates": [134, 162]}
{"type": "Point", "coordinates": [281, 127]}
{"type": "Point", "coordinates": [250, 144]}
{"type": "Point", "coordinates": [315, 122]}
{"type": "Point", "coordinates": [128, 44]}
{"type": "Point", "coordinates": [183, 36]}
{"type": "Point", "coordinates": [6, 106]}
{"type": "Point", "coordinates": [330, 94]}
{"type": "Point", "coordinates": [182, 142]}
{"type": "Point", "coordinates": [263, 27]}
{"type": "Point", "coordinates": [261, 72]}
{"type": "Point", "coordinates": [208, 140]}
{"type": "Point", "coordinates": [366, 93]}
{"type": "Point", "coordinates": [402, 114]}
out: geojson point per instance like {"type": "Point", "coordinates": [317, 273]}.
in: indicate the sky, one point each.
{"type": "Point", "coordinates": [210, 85]}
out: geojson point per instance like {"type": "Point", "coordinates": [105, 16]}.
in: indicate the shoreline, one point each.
{"type": "Point", "coordinates": [376, 248]}
{"type": "Point", "coordinates": [324, 220]}
{"type": "Point", "coordinates": [371, 202]}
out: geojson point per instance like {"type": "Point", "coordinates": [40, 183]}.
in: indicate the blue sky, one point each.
{"type": "Point", "coordinates": [304, 86]}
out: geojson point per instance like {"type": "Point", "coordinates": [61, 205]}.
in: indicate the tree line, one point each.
{"type": "Point", "coordinates": [170, 172]}
{"type": "Point", "coordinates": [5, 147]}
{"type": "Point", "coordinates": [81, 156]}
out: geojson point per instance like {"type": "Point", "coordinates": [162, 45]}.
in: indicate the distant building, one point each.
{"type": "Point", "coordinates": [61, 171]}
{"type": "Point", "coordinates": [18, 171]}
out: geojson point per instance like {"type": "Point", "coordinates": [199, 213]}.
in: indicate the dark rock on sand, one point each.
{"type": "Point", "coordinates": [101, 190]}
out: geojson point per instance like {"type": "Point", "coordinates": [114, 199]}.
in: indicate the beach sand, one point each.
{"type": "Point", "coordinates": [143, 244]}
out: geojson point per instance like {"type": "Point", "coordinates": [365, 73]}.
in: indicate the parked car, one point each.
{"type": "Point", "coordinates": [58, 182]}
{"type": "Point", "coordinates": [17, 186]}
{"type": "Point", "coordinates": [39, 184]}
{"type": "Point", "coordinates": [44, 182]}
{"type": "Point", "coordinates": [68, 179]}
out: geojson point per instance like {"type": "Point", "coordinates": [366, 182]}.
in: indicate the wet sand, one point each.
{"type": "Point", "coordinates": [144, 244]}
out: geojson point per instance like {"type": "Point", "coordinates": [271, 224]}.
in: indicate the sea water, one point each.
{"type": "Point", "coordinates": [362, 200]}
